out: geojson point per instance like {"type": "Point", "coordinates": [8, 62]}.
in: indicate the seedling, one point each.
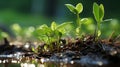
{"type": "Point", "coordinates": [77, 10]}
{"type": "Point", "coordinates": [52, 33]}
{"type": "Point", "coordinates": [3, 35]}
{"type": "Point", "coordinates": [22, 33]}
{"type": "Point", "coordinates": [98, 11]}
{"type": "Point", "coordinates": [59, 31]}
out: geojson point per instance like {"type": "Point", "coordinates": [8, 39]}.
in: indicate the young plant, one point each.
{"type": "Point", "coordinates": [22, 33]}
{"type": "Point", "coordinates": [51, 34]}
{"type": "Point", "coordinates": [3, 35]}
{"type": "Point", "coordinates": [43, 34]}
{"type": "Point", "coordinates": [77, 10]}
{"type": "Point", "coordinates": [98, 11]}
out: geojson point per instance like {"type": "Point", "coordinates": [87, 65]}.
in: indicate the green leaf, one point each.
{"type": "Point", "coordinates": [71, 8]}
{"type": "Point", "coordinates": [77, 31]}
{"type": "Point", "coordinates": [53, 25]}
{"type": "Point", "coordinates": [99, 33]}
{"type": "Point", "coordinates": [84, 20]}
{"type": "Point", "coordinates": [42, 26]}
{"type": "Point", "coordinates": [57, 33]}
{"type": "Point", "coordinates": [107, 20]}
{"type": "Point", "coordinates": [63, 25]}
{"type": "Point", "coordinates": [96, 11]}
{"type": "Point", "coordinates": [34, 50]}
{"type": "Point", "coordinates": [101, 12]}
{"type": "Point", "coordinates": [79, 8]}
{"type": "Point", "coordinates": [41, 31]}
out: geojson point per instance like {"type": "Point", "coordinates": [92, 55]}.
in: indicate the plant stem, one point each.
{"type": "Point", "coordinates": [78, 20]}
{"type": "Point", "coordinates": [97, 31]}
{"type": "Point", "coordinates": [78, 23]}
{"type": "Point", "coordinates": [58, 44]}
{"type": "Point", "coordinates": [98, 28]}
{"type": "Point", "coordinates": [49, 43]}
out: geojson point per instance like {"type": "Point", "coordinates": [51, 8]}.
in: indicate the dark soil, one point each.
{"type": "Point", "coordinates": [84, 50]}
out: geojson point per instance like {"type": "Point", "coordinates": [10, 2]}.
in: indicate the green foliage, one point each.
{"type": "Point", "coordinates": [79, 8]}
{"type": "Point", "coordinates": [53, 25]}
{"type": "Point", "coordinates": [52, 33]}
{"type": "Point", "coordinates": [98, 11]}
{"type": "Point", "coordinates": [34, 50]}
{"type": "Point", "coordinates": [64, 28]}
{"type": "Point", "coordinates": [41, 32]}
{"type": "Point", "coordinates": [20, 32]}
{"type": "Point", "coordinates": [71, 8]}
{"type": "Point", "coordinates": [76, 10]}
{"type": "Point", "coordinates": [3, 35]}
{"type": "Point", "coordinates": [16, 29]}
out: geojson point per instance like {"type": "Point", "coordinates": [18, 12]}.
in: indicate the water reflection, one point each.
{"type": "Point", "coordinates": [27, 65]}
{"type": "Point", "coordinates": [48, 64]}
{"type": "Point", "coordinates": [52, 64]}
{"type": "Point", "coordinates": [17, 60]}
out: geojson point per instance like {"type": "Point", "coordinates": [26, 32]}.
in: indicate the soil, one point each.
{"type": "Point", "coordinates": [85, 50]}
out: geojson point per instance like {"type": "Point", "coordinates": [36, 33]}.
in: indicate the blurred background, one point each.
{"type": "Point", "coordinates": [37, 12]}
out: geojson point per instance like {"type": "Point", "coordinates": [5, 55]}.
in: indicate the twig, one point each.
{"type": "Point", "coordinates": [110, 37]}
{"type": "Point", "coordinates": [117, 38]}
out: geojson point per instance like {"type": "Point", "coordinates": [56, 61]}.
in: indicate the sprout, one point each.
{"type": "Point", "coordinates": [98, 11]}
{"type": "Point", "coordinates": [52, 33]}
{"type": "Point", "coordinates": [77, 10]}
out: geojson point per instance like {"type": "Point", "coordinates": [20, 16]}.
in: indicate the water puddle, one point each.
{"type": "Point", "coordinates": [53, 64]}
{"type": "Point", "coordinates": [64, 59]}
{"type": "Point", "coordinates": [57, 60]}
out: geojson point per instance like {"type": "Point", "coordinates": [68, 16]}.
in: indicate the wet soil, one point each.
{"type": "Point", "coordinates": [85, 51]}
